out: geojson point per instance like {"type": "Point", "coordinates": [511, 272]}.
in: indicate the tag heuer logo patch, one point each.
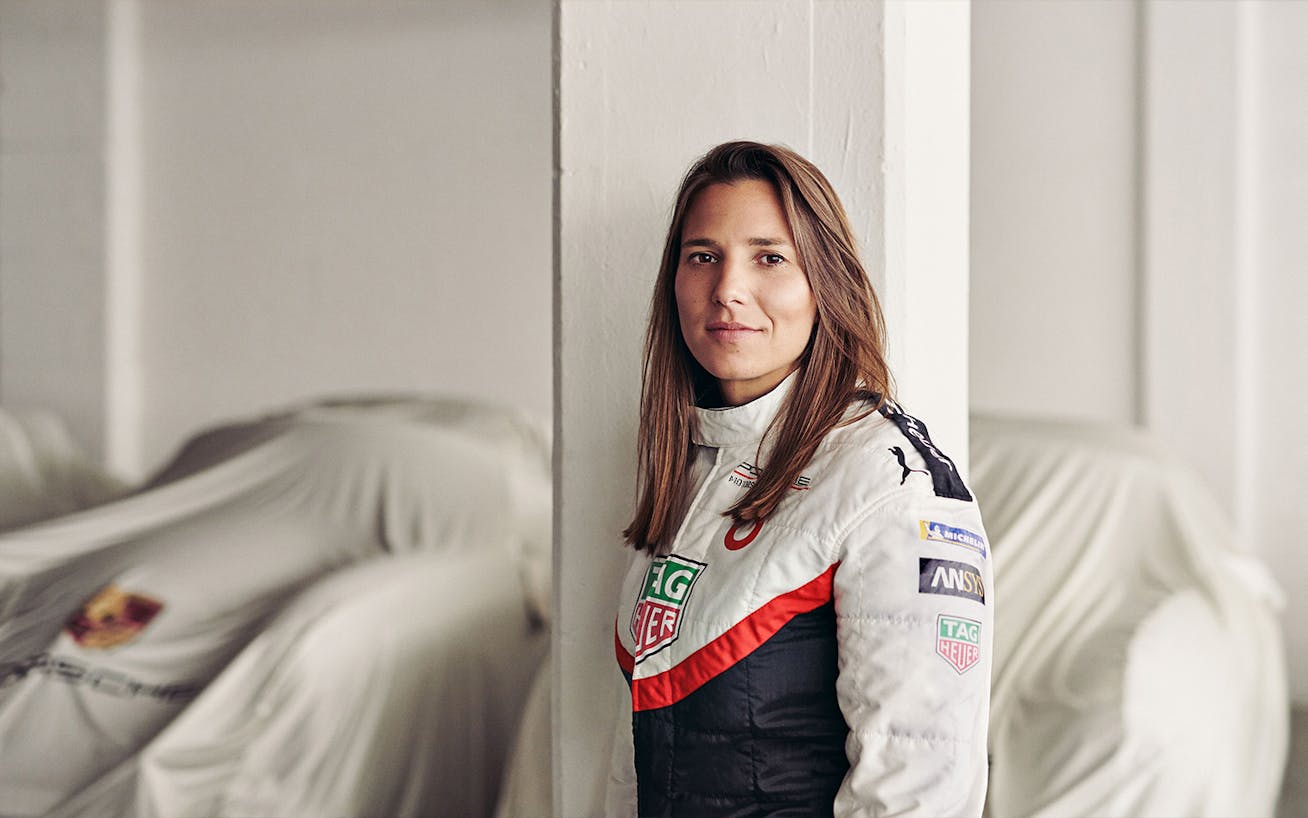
{"type": "Point", "coordinates": [657, 617]}
{"type": "Point", "coordinates": [958, 641]}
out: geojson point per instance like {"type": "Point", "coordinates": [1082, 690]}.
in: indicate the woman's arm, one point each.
{"type": "Point", "coordinates": [914, 627]}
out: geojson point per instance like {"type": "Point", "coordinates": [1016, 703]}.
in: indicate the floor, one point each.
{"type": "Point", "coordinates": [1294, 792]}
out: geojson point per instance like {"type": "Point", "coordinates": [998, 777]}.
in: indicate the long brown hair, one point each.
{"type": "Point", "coordinates": [843, 362]}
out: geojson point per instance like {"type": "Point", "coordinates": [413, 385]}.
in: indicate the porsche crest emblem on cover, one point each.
{"type": "Point", "coordinates": [112, 617]}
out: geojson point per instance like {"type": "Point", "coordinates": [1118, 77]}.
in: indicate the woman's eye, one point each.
{"type": "Point", "coordinates": [772, 259]}
{"type": "Point", "coordinates": [700, 258]}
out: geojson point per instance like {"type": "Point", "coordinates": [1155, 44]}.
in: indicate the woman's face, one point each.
{"type": "Point", "coordinates": [744, 303]}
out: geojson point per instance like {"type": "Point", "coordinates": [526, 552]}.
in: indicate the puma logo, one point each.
{"type": "Point", "coordinates": [899, 455]}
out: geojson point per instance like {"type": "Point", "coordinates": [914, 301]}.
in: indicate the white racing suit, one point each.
{"type": "Point", "coordinates": [832, 659]}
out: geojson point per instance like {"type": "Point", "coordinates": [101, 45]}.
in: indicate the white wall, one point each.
{"type": "Point", "coordinates": [1053, 208]}
{"type": "Point", "coordinates": [330, 197]}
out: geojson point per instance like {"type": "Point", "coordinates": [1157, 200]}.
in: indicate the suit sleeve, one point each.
{"type": "Point", "coordinates": [620, 789]}
{"type": "Point", "coordinates": [914, 628]}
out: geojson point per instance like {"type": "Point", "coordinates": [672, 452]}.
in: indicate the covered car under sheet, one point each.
{"type": "Point", "coordinates": [1139, 669]}
{"type": "Point", "coordinates": [113, 620]}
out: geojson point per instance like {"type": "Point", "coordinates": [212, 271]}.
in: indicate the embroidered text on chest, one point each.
{"type": "Point", "coordinates": [745, 474]}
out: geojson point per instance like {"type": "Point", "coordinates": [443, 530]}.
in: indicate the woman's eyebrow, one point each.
{"type": "Point", "coordinates": [761, 241]}
{"type": "Point", "coordinates": [699, 243]}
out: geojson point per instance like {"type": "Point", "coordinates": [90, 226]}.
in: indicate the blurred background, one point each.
{"type": "Point", "coordinates": [214, 209]}
{"type": "Point", "coordinates": [1138, 191]}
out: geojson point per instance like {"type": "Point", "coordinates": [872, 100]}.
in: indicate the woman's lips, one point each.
{"type": "Point", "coordinates": [728, 331]}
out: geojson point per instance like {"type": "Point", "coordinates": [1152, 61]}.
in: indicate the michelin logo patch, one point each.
{"type": "Point", "coordinates": [939, 532]}
{"type": "Point", "coordinates": [950, 578]}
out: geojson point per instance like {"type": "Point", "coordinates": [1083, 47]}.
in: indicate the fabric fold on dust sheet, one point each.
{"type": "Point", "coordinates": [1138, 662]}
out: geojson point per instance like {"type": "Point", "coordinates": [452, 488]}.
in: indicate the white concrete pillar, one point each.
{"type": "Point", "coordinates": [1272, 392]}
{"type": "Point", "coordinates": [927, 122]}
{"type": "Point", "coordinates": [54, 118]}
{"type": "Point", "coordinates": [876, 94]}
{"type": "Point", "coordinates": [1195, 290]}
{"type": "Point", "coordinates": [124, 261]}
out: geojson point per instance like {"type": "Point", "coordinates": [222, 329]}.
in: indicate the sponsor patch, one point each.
{"type": "Point", "coordinates": [958, 641]}
{"type": "Point", "coordinates": [657, 616]}
{"type": "Point", "coordinates": [112, 617]}
{"type": "Point", "coordinates": [950, 578]}
{"type": "Point", "coordinates": [939, 532]}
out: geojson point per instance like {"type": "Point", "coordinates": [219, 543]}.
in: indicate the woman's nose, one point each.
{"type": "Point", "coordinates": [730, 286]}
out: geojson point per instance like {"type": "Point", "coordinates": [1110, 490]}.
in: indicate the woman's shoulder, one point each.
{"type": "Point", "coordinates": [888, 450]}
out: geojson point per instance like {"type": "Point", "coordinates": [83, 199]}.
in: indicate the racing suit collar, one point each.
{"type": "Point", "coordinates": [744, 424]}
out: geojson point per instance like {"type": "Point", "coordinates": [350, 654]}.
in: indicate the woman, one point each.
{"type": "Point", "coordinates": [807, 628]}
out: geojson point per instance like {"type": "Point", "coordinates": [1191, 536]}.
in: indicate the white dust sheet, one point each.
{"type": "Point", "coordinates": [1139, 668]}
{"type": "Point", "coordinates": [299, 616]}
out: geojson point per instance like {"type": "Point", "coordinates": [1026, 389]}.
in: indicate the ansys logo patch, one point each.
{"type": "Point", "coordinates": [932, 530]}
{"type": "Point", "coordinates": [958, 641]}
{"type": "Point", "coordinates": [657, 617]}
{"type": "Point", "coordinates": [950, 578]}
